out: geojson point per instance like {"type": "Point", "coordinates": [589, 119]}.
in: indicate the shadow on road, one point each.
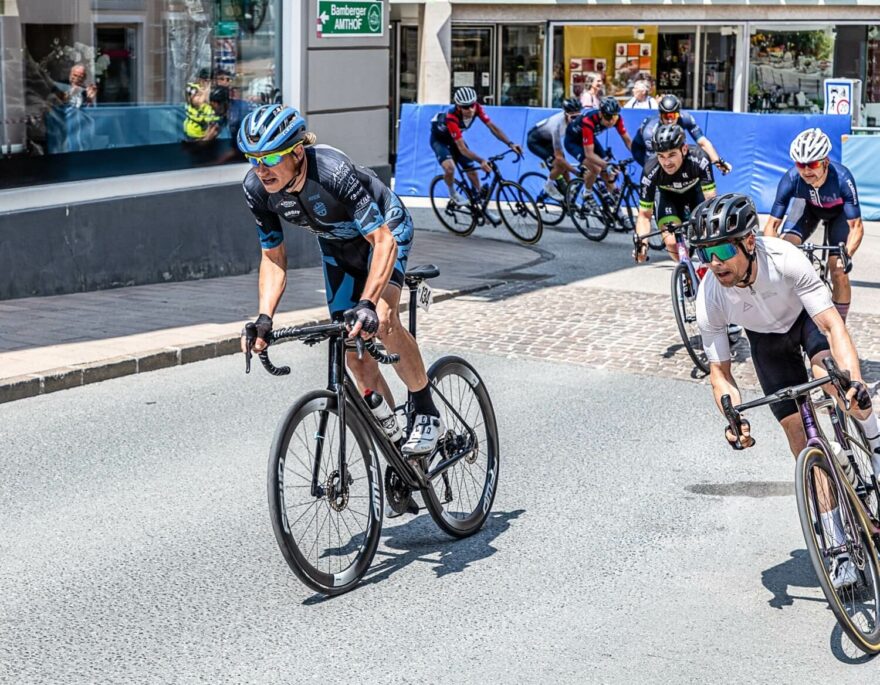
{"type": "Point", "coordinates": [796, 571]}
{"type": "Point", "coordinates": [844, 650]}
{"type": "Point", "coordinates": [420, 540]}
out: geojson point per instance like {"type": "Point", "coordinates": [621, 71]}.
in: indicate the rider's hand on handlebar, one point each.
{"type": "Point", "coordinates": [744, 436]}
{"type": "Point", "coordinates": [724, 167]}
{"type": "Point", "coordinates": [640, 251]}
{"type": "Point", "coordinates": [362, 320]}
{"type": "Point", "coordinates": [485, 166]}
{"type": "Point", "coordinates": [256, 334]}
{"type": "Point", "coordinates": [858, 396]}
{"type": "Point", "coordinates": [516, 148]}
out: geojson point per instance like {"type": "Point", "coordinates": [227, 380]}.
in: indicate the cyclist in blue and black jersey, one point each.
{"type": "Point", "coordinates": [669, 112]}
{"type": "Point", "coordinates": [364, 233]}
{"type": "Point", "coordinates": [448, 143]}
{"type": "Point", "coordinates": [817, 189]}
{"type": "Point", "coordinates": [580, 137]}
{"type": "Point", "coordinates": [544, 140]}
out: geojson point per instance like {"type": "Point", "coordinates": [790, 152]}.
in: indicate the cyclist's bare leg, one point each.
{"type": "Point", "coordinates": [797, 440]}
{"type": "Point", "coordinates": [367, 374]}
{"type": "Point", "coordinates": [449, 174]}
{"type": "Point", "coordinates": [474, 177]}
{"type": "Point", "coordinates": [397, 340]}
{"type": "Point", "coordinates": [841, 290]}
{"type": "Point", "coordinates": [669, 239]}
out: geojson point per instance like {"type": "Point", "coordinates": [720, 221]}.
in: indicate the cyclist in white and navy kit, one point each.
{"type": "Point", "coordinates": [816, 189]}
{"type": "Point", "coordinates": [364, 233]}
{"type": "Point", "coordinates": [545, 140]}
{"type": "Point", "coordinates": [769, 287]}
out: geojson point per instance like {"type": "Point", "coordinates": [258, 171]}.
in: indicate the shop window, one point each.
{"type": "Point", "coordinates": [97, 98]}
{"type": "Point", "coordinates": [675, 66]}
{"type": "Point", "coordinates": [472, 50]}
{"type": "Point", "coordinates": [787, 68]}
{"type": "Point", "coordinates": [522, 57]}
{"type": "Point", "coordinates": [872, 77]}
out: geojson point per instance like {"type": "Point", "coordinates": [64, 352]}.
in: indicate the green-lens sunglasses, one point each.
{"type": "Point", "coordinates": [723, 251]}
{"type": "Point", "coordinates": [270, 160]}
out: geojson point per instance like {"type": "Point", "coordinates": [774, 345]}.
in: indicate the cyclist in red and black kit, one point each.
{"type": "Point", "coordinates": [580, 137]}
{"type": "Point", "coordinates": [448, 144]}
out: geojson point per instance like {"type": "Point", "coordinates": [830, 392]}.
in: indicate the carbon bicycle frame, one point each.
{"type": "Point", "coordinates": [343, 386]}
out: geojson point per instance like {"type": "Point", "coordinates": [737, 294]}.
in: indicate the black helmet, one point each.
{"type": "Point", "coordinates": [668, 137]}
{"type": "Point", "coordinates": [220, 95]}
{"type": "Point", "coordinates": [609, 106]}
{"type": "Point", "coordinates": [726, 217]}
{"type": "Point", "coordinates": [572, 105]}
{"type": "Point", "coordinates": [669, 104]}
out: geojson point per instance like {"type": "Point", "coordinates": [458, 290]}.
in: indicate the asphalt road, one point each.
{"type": "Point", "coordinates": [623, 546]}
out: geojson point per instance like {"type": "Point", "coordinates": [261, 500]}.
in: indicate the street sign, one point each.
{"type": "Point", "coordinates": [350, 18]}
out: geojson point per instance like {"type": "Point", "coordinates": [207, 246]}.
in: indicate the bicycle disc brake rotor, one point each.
{"type": "Point", "coordinates": [337, 496]}
{"type": "Point", "coordinates": [396, 491]}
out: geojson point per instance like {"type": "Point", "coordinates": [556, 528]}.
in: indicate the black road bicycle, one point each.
{"type": "Point", "coordinates": [609, 206]}
{"type": "Point", "coordinates": [326, 494]}
{"type": "Point", "coordinates": [516, 206]}
{"type": "Point", "coordinates": [835, 473]}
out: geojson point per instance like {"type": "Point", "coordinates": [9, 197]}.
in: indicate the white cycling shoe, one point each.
{"type": "Point", "coordinates": [552, 191]}
{"type": "Point", "coordinates": [426, 432]}
{"type": "Point", "coordinates": [843, 572]}
{"type": "Point", "coordinates": [458, 198]}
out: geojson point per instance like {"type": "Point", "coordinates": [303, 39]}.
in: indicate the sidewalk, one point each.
{"type": "Point", "coordinates": [63, 341]}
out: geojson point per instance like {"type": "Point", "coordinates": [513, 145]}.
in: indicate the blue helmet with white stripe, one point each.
{"type": "Point", "coordinates": [271, 128]}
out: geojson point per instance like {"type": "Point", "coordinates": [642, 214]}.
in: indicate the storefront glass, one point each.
{"type": "Point", "coordinates": [718, 66]}
{"type": "Point", "coordinates": [676, 64]}
{"type": "Point", "coordinates": [472, 63]}
{"type": "Point", "coordinates": [788, 67]}
{"type": "Point", "coordinates": [522, 59]}
{"type": "Point", "coordinates": [112, 87]}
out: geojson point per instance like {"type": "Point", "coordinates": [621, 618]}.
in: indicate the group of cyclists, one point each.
{"type": "Point", "coordinates": [762, 283]}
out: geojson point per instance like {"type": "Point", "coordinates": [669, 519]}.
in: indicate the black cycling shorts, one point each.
{"type": "Point", "coordinates": [541, 146]}
{"type": "Point", "coordinates": [779, 361]}
{"type": "Point", "coordinates": [675, 208]}
{"type": "Point", "coordinates": [802, 221]}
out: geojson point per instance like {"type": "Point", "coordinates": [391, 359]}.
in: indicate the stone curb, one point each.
{"type": "Point", "coordinates": [31, 385]}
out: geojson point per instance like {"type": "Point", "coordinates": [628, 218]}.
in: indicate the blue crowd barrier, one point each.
{"type": "Point", "coordinates": [755, 144]}
{"type": "Point", "coordinates": [860, 155]}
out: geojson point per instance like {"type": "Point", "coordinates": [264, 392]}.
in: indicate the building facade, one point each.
{"type": "Point", "coordinates": [739, 56]}
{"type": "Point", "coordinates": [117, 123]}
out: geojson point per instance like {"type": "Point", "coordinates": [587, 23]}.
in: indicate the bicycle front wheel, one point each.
{"type": "Point", "coordinates": [460, 498]}
{"type": "Point", "coordinates": [585, 212]}
{"type": "Point", "coordinates": [519, 212]}
{"type": "Point", "coordinates": [684, 304]}
{"type": "Point", "coordinates": [327, 527]}
{"type": "Point", "coordinates": [854, 605]}
{"type": "Point", "coordinates": [455, 217]}
{"type": "Point", "coordinates": [551, 211]}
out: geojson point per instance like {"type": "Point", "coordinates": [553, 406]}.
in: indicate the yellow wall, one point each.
{"type": "Point", "coordinates": [600, 42]}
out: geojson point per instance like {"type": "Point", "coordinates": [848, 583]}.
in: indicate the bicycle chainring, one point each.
{"type": "Point", "coordinates": [397, 494]}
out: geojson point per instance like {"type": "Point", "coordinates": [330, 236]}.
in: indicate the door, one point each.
{"type": "Point", "coordinates": [118, 81]}
{"type": "Point", "coordinates": [473, 50]}
{"type": "Point", "coordinates": [404, 74]}
{"type": "Point", "coordinates": [675, 63]}
{"type": "Point", "coordinates": [716, 71]}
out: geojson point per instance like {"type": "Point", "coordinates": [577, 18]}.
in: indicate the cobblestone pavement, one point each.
{"type": "Point", "coordinates": [595, 327]}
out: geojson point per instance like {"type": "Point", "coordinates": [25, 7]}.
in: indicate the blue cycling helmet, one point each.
{"type": "Point", "coordinates": [271, 128]}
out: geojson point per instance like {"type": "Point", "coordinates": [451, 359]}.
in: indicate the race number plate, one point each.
{"type": "Point", "coordinates": [424, 296]}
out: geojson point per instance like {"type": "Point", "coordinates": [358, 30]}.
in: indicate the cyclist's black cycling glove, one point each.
{"type": "Point", "coordinates": [746, 442]}
{"type": "Point", "coordinates": [261, 328]}
{"type": "Point", "coordinates": [365, 312]}
{"type": "Point", "coordinates": [862, 397]}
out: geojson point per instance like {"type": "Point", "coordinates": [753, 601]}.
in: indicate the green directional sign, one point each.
{"type": "Point", "coordinates": [350, 18]}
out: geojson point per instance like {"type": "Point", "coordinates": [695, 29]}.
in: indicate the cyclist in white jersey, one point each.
{"type": "Point", "coordinates": [768, 286]}
{"type": "Point", "coordinates": [545, 140]}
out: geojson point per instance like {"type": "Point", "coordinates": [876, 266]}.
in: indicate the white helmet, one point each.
{"type": "Point", "coordinates": [465, 96]}
{"type": "Point", "coordinates": [810, 146]}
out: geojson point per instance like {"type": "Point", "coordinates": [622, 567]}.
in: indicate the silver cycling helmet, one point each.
{"type": "Point", "coordinates": [465, 96]}
{"type": "Point", "coordinates": [811, 145]}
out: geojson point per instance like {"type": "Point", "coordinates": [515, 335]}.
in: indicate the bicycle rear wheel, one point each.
{"type": "Point", "coordinates": [585, 211]}
{"type": "Point", "coordinates": [684, 304]}
{"type": "Point", "coordinates": [460, 498]}
{"type": "Point", "coordinates": [519, 212]}
{"type": "Point", "coordinates": [455, 217]}
{"type": "Point", "coordinates": [855, 606]}
{"type": "Point", "coordinates": [328, 538]}
{"type": "Point", "coordinates": [551, 211]}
